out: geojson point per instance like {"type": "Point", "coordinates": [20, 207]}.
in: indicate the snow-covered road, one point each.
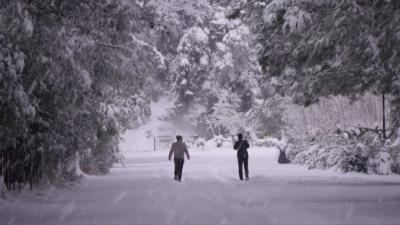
{"type": "Point", "coordinates": [143, 192]}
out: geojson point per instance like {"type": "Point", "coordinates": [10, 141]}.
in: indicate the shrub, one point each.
{"type": "Point", "coordinates": [367, 154]}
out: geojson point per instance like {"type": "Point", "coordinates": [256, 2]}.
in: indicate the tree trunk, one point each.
{"type": "Point", "coordinates": [383, 117]}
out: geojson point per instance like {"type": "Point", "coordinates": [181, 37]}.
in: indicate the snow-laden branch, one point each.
{"type": "Point", "coordinates": [142, 43]}
{"type": "Point", "coordinates": [155, 50]}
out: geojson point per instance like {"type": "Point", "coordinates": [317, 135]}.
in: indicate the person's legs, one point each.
{"type": "Point", "coordinates": [181, 162]}
{"type": "Point", "coordinates": [240, 164]}
{"type": "Point", "coordinates": [176, 172]}
{"type": "Point", "coordinates": [246, 167]}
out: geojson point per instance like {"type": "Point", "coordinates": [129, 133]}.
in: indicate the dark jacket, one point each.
{"type": "Point", "coordinates": [241, 146]}
{"type": "Point", "coordinates": [178, 149]}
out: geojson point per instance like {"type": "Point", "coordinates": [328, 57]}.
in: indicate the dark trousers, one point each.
{"type": "Point", "coordinates": [178, 168]}
{"type": "Point", "coordinates": [243, 161]}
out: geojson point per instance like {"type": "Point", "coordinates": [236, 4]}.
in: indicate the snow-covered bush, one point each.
{"type": "Point", "coordinates": [394, 151]}
{"type": "Point", "coordinates": [261, 142]}
{"type": "Point", "coordinates": [366, 154]}
{"type": "Point", "coordinates": [381, 163]}
{"type": "Point", "coordinates": [199, 143]}
{"type": "Point", "coordinates": [353, 159]}
{"type": "Point", "coordinates": [305, 157]}
{"type": "Point", "coordinates": [295, 146]}
{"type": "Point", "coordinates": [271, 142]}
{"type": "Point", "coordinates": [396, 165]}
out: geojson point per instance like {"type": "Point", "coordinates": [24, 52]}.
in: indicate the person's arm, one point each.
{"type": "Point", "coordinates": [247, 144]}
{"type": "Point", "coordinates": [171, 151]}
{"type": "Point", "coordinates": [236, 145]}
{"type": "Point", "coordinates": [187, 152]}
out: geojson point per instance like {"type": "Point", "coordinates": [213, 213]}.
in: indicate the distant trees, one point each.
{"type": "Point", "coordinates": [335, 115]}
{"type": "Point", "coordinates": [72, 75]}
{"type": "Point", "coordinates": [216, 63]}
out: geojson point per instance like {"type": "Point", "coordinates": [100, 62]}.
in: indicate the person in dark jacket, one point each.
{"type": "Point", "coordinates": [178, 149]}
{"type": "Point", "coordinates": [243, 156]}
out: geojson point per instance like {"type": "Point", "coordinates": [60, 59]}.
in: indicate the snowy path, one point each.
{"type": "Point", "coordinates": [144, 192]}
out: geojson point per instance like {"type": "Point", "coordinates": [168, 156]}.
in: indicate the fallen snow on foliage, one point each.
{"type": "Point", "coordinates": [384, 163]}
{"type": "Point", "coordinates": [220, 18]}
{"type": "Point", "coordinates": [189, 92]}
{"type": "Point", "coordinates": [159, 55]}
{"type": "Point", "coordinates": [221, 46]}
{"type": "Point", "coordinates": [238, 35]}
{"type": "Point", "coordinates": [204, 60]}
{"type": "Point", "coordinates": [196, 34]}
{"type": "Point", "coordinates": [85, 78]}
{"type": "Point", "coordinates": [27, 24]}
{"type": "Point", "coordinates": [184, 61]}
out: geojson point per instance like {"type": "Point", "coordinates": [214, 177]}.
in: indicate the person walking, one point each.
{"type": "Point", "coordinates": [178, 149]}
{"type": "Point", "coordinates": [243, 156]}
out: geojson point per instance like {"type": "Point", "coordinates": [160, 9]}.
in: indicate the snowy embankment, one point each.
{"type": "Point", "coordinates": [143, 192]}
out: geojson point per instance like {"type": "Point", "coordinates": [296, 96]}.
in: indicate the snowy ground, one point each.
{"type": "Point", "coordinates": [143, 192]}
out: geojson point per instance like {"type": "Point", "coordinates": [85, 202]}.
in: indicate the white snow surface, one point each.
{"type": "Point", "coordinates": [143, 192]}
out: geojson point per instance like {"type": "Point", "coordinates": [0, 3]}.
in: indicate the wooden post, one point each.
{"type": "Point", "coordinates": [383, 116]}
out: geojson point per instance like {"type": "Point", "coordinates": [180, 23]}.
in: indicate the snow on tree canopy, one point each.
{"type": "Point", "coordinates": [184, 61]}
{"type": "Point", "coordinates": [189, 92]}
{"type": "Point", "coordinates": [85, 77]}
{"type": "Point", "coordinates": [27, 23]}
{"type": "Point", "coordinates": [204, 60]}
{"type": "Point", "coordinates": [237, 35]}
{"type": "Point", "coordinates": [194, 34]}
{"type": "Point", "coordinates": [220, 19]}
{"type": "Point", "coordinates": [19, 59]}
{"type": "Point", "coordinates": [184, 82]}
{"type": "Point", "coordinates": [221, 46]}
{"type": "Point", "coordinates": [295, 18]}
